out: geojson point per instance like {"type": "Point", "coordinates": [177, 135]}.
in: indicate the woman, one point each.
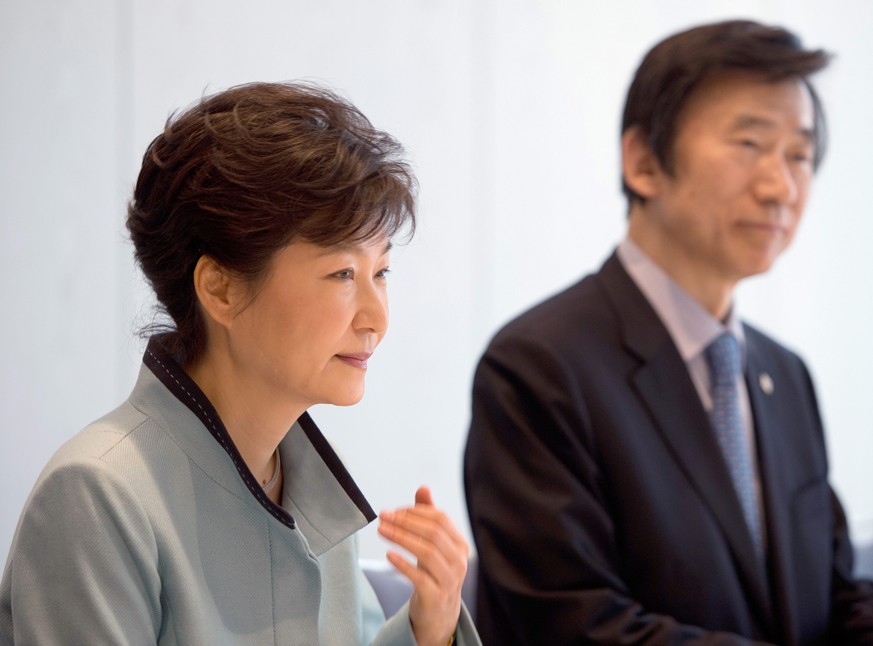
{"type": "Point", "coordinates": [262, 218]}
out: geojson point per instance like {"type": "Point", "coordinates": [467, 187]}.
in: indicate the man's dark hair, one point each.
{"type": "Point", "coordinates": [675, 67]}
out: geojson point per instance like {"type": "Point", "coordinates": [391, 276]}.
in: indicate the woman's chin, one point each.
{"type": "Point", "coordinates": [347, 399]}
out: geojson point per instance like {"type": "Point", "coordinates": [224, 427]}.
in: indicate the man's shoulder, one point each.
{"type": "Point", "coordinates": [760, 343]}
{"type": "Point", "coordinates": [574, 321]}
{"type": "Point", "coordinates": [561, 309]}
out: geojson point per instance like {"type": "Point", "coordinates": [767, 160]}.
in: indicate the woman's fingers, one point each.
{"type": "Point", "coordinates": [427, 522]}
{"type": "Point", "coordinates": [438, 574]}
{"type": "Point", "coordinates": [411, 530]}
{"type": "Point", "coordinates": [423, 496]}
{"type": "Point", "coordinates": [427, 534]}
{"type": "Point", "coordinates": [435, 551]}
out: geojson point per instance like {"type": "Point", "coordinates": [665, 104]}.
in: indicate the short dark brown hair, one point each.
{"type": "Point", "coordinates": [244, 172]}
{"type": "Point", "coordinates": [675, 67]}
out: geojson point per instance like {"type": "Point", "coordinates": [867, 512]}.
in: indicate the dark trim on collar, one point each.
{"type": "Point", "coordinates": [177, 381]}
{"type": "Point", "coordinates": [337, 468]}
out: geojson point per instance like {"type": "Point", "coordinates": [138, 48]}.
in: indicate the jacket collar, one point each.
{"type": "Point", "coordinates": [319, 495]}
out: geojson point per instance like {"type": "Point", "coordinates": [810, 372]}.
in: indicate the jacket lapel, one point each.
{"type": "Point", "coordinates": [664, 385]}
{"type": "Point", "coordinates": [762, 383]}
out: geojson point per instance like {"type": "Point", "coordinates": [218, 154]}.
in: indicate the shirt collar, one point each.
{"type": "Point", "coordinates": [691, 326]}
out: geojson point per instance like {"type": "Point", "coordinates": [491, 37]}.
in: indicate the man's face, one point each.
{"type": "Point", "coordinates": [742, 169]}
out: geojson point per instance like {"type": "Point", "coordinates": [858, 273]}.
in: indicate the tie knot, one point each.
{"type": "Point", "coordinates": [723, 356]}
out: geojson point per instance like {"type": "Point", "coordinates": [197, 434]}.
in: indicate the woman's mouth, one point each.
{"type": "Point", "coordinates": [355, 359]}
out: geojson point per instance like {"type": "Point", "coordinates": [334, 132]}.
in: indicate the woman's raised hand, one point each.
{"type": "Point", "coordinates": [441, 564]}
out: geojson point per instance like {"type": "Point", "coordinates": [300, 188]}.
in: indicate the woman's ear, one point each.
{"type": "Point", "coordinates": [216, 290]}
{"type": "Point", "coordinates": [639, 165]}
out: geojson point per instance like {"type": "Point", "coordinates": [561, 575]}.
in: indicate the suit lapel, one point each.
{"type": "Point", "coordinates": [763, 384]}
{"type": "Point", "coordinates": [665, 387]}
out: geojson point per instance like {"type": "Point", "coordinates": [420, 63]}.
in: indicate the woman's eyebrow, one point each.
{"type": "Point", "coordinates": [352, 247]}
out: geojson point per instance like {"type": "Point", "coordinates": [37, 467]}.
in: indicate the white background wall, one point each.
{"type": "Point", "coordinates": [510, 112]}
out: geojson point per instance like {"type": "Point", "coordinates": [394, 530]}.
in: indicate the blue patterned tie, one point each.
{"type": "Point", "coordinates": [723, 356]}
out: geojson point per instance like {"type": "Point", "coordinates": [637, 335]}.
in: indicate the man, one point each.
{"type": "Point", "coordinates": [622, 487]}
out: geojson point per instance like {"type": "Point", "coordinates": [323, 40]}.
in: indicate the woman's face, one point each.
{"type": "Point", "coordinates": [314, 322]}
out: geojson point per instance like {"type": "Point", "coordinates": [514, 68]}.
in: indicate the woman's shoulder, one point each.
{"type": "Point", "coordinates": [100, 437]}
{"type": "Point", "coordinates": [111, 450]}
{"type": "Point", "coordinates": [100, 472]}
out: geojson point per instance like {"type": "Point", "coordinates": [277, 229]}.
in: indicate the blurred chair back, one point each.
{"type": "Point", "coordinates": [864, 560]}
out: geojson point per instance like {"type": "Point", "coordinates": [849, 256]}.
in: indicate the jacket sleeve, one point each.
{"type": "Point", "coordinates": [852, 608]}
{"type": "Point", "coordinates": [540, 514]}
{"type": "Point", "coordinates": [397, 631]}
{"type": "Point", "coordinates": [83, 564]}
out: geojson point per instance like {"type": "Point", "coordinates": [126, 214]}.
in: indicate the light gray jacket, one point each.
{"type": "Point", "coordinates": [147, 528]}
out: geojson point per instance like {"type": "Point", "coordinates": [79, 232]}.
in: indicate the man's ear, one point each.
{"type": "Point", "coordinates": [639, 165]}
{"type": "Point", "coordinates": [216, 290]}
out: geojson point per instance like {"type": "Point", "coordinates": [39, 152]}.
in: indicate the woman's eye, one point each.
{"type": "Point", "coordinates": [383, 273]}
{"type": "Point", "coordinates": [345, 274]}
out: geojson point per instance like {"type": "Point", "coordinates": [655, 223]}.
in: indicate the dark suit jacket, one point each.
{"type": "Point", "coordinates": [601, 506]}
